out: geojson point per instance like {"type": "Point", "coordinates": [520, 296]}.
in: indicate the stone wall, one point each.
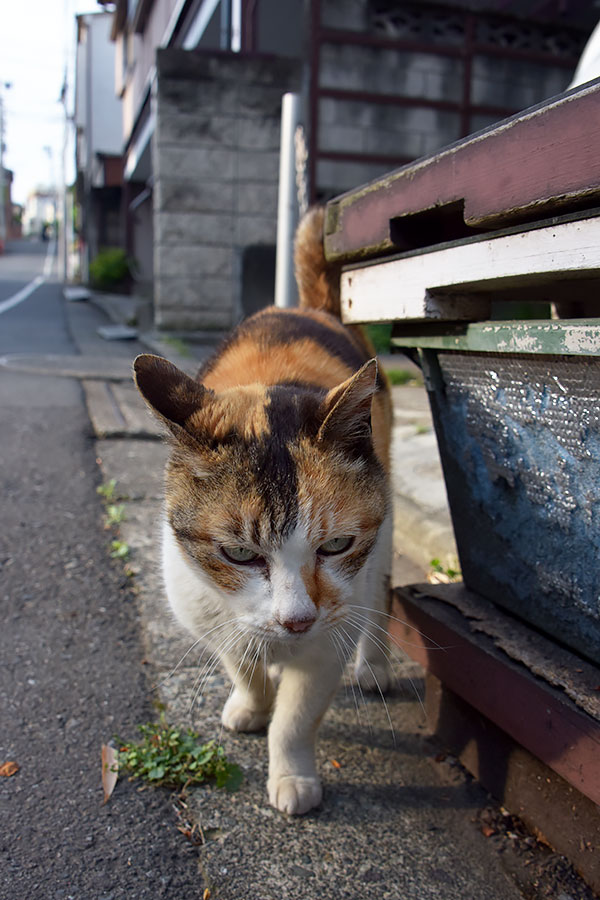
{"type": "Point", "coordinates": [216, 169]}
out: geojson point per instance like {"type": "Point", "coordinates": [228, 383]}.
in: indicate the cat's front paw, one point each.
{"type": "Point", "coordinates": [374, 675]}
{"type": "Point", "coordinates": [238, 716]}
{"type": "Point", "coordinates": [294, 794]}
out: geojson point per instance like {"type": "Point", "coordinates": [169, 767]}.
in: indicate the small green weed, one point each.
{"type": "Point", "coordinates": [169, 757]}
{"type": "Point", "coordinates": [107, 490]}
{"type": "Point", "coordinates": [115, 513]}
{"type": "Point", "coordinates": [444, 573]}
{"type": "Point", "coordinates": [119, 549]}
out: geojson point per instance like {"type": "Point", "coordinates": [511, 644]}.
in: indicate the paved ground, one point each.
{"type": "Point", "coordinates": [71, 671]}
{"type": "Point", "coordinates": [399, 820]}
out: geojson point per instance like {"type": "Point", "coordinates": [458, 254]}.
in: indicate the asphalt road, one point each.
{"type": "Point", "coordinates": [71, 669]}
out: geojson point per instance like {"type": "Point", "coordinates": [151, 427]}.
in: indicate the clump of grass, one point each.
{"type": "Point", "coordinates": [119, 549]}
{"type": "Point", "coordinates": [169, 757]}
{"type": "Point", "coordinates": [402, 377]}
{"type": "Point", "coordinates": [444, 574]}
{"type": "Point", "coordinates": [115, 513]}
{"type": "Point", "coordinates": [107, 490]}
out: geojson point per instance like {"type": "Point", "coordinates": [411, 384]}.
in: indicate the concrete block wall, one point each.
{"type": "Point", "coordinates": [216, 168]}
{"type": "Point", "coordinates": [382, 129]}
{"type": "Point", "coordinates": [509, 82]}
{"type": "Point", "coordinates": [402, 131]}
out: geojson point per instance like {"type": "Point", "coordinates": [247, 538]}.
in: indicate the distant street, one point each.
{"type": "Point", "coordinates": [70, 657]}
{"type": "Point", "coordinates": [37, 323]}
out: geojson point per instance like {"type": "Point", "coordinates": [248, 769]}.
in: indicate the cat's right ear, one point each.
{"type": "Point", "coordinates": [171, 394]}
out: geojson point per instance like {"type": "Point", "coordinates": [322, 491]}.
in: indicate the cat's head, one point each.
{"type": "Point", "coordinates": [274, 494]}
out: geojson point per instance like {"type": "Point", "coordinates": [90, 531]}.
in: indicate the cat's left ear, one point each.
{"type": "Point", "coordinates": [171, 394]}
{"type": "Point", "coordinates": [347, 407]}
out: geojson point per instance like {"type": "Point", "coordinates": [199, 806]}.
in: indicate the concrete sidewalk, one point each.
{"type": "Point", "coordinates": [399, 819]}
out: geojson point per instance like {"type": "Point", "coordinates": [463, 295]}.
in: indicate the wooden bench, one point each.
{"type": "Point", "coordinates": [486, 259]}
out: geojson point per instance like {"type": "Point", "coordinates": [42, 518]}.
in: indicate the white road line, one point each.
{"type": "Point", "coordinates": [21, 295]}
{"type": "Point", "coordinates": [49, 258]}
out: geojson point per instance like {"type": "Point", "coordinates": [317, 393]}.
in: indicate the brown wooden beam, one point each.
{"type": "Point", "coordinates": [536, 715]}
{"type": "Point", "coordinates": [538, 163]}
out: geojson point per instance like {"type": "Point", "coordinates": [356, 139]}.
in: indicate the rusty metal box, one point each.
{"type": "Point", "coordinates": [519, 440]}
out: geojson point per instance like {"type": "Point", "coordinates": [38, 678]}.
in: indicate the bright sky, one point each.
{"type": "Point", "coordinates": [37, 42]}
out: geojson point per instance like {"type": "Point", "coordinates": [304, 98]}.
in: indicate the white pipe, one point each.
{"type": "Point", "coordinates": [287, 206]}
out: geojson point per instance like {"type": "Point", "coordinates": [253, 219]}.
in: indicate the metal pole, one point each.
{"type": "Point", "coordinates": [64, 264]}
{"type": "Point", "coordinates": [287, 207]}
{"type": "Point", "coordinates": [2, 179]}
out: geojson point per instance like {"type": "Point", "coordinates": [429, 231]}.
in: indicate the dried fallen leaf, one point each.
{"type": "Point", "coordinates": [487, 830]}
{"type": "Point", "coordinates": [8, 768]}
{"type": "Point", "coordinates": [110, 770]}
{"type": "Point", "coordinates": [336, 764]}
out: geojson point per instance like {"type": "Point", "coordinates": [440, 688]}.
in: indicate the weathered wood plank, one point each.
{"type": "Point", "coordinates": [451, 283]}
{"type": "Point", "coordinates": [568, 337]}
{"type": "Point", "coordinates": [528, 166]}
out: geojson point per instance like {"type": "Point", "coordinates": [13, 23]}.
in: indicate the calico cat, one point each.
{"type": "Point", "coordinates": [277, 531]}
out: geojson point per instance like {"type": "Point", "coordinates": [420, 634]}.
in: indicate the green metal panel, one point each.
{"type": "Point", "coordinates": [566, 337]}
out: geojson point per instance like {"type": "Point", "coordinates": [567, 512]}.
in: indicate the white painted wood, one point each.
{"type": "Point", "coordinates": [456, 282]}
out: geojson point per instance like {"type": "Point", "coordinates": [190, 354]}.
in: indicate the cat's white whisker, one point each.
{"type": "Point", "coordinates": [353, 644]}
{"type": "Point", "coordinates": [250, 646]}
{"type": "Point", "coordinates": [335, 639]}
{"type": "Point", "coordinates": [257, 654]}
{"type": "Point", "coordinates": [226, 645]}
{"type": "Point", "coordinates": [383, 700]}
{"type": "Point", "coordinates": [375, 639]}
{"type": "Point", "coordinates": [345, 653]}
{"type": "Point", "coordinates": [385, 649]}
{"type": "Point", "coordinates": [200, 640]}
{"type": "Point", "coordinates": [407, 624]}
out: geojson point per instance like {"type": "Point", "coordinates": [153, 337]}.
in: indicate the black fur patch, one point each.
{"type": "Point", "coordinates": [271, 468]}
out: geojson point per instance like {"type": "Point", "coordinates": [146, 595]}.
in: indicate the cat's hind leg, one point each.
{"type": "Point", "coordinates": [372, 667]}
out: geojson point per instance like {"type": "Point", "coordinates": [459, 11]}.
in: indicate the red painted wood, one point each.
{"type": "Point", "coordinates": [552, 728]}
{"type": "Point", "coordinates": [526, 167]}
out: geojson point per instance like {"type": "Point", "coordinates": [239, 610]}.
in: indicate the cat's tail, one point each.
{"type": "Point", "coordinates": [318, 281]}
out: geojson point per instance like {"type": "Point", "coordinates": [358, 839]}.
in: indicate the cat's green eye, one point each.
{"type": "Point", "coordinates": [240, 554]}
{"type": "Point", "coordinates": [336, 545]}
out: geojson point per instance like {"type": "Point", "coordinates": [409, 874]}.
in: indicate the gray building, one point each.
{"type": "Point", "coordinates": [381, 82]}
{"type": "Point", "coordinates": [98, 140]}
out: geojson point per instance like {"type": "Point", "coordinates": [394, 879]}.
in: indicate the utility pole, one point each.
{"type": "Point", "coordinates": [2, 177]}
{"type": "Point", "coordinates": [64, 227]}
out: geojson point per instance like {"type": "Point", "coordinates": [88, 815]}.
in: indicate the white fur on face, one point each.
{"type": "Point", "coordinates": [290, 598]}
{"type": "Point", "coordinates": [265, 601]}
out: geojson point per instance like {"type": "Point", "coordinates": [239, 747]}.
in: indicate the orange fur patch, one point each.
{"type": "Point", "coordinates": [318, 587]}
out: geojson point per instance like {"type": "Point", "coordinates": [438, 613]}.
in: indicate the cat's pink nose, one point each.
{"type": "Point", "coordinates": [297, 625]}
